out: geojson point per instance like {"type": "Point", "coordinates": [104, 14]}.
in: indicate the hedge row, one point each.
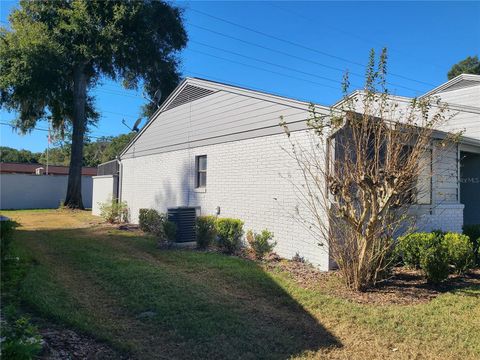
{"type": "Point", "coordinates": [227, 234]}
{"type": "Point", "coordinates": [437, 253]}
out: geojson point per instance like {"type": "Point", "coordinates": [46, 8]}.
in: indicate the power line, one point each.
{"type": "Point", "coordinates": [111, 92]}
{"type": "Point", "coordinates": [266, 47]}
{"type": "Point", "coordinates": [285, 54]}
{"type": "Point", "coordinates": [289, 68]}
{"type": "Point", "coordinates": [245, 86]}
{"type": "Point", "coordinates": [262, 69]}
{"type": "Point", "coordinates": [276, 38]}
{"type": "Point", "coordinates": [368, 41]}
{"type": "Point", "coordinates": [41, 129]}
{"type": "Point", "coordinates": [295, 44]}
{"type": "Point", "coordinates": [265, 62]}
{"type": "Point", "coordinates": [118, 113]}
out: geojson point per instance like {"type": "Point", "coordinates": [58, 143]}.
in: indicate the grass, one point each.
{"type": "Point", "coordinates": [118, 287]}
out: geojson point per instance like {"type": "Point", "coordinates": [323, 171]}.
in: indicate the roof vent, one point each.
{"type": "Point", "coordinates": [188, 94]}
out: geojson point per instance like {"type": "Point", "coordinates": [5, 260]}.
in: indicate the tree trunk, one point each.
{"type": "Point", "coordinates": [73, 199]}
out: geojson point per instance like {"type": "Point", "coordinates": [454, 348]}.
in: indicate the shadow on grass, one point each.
{"type": "Point", "coordinates": [165, 303]}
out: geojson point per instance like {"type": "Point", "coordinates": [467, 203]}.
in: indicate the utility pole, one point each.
{"type": "Point", "coordinates": [48, 144]}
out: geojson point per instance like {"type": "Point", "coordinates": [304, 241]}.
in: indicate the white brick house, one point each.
{"type": "Point", "coordinates": [233, 136]}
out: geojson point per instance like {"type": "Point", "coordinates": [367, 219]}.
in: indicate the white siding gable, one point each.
{"type": "Point", "coordinates": [221, 114]}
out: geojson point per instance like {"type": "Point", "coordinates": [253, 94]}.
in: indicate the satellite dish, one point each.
{"type": "Point", "coordinates": [157, 96]}
{"type": "Point", "coordinates": [135, 126]}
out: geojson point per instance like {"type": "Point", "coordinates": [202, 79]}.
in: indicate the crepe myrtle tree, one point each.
{"type": "Point", "coordinates": [57, 51]}
{"type": "Point", "coordinates": [377, 167]}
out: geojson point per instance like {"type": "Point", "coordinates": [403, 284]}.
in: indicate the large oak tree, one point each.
{"type": "Point", "coordinates": [58, 50]}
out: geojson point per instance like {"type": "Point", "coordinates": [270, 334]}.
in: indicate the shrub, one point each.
{"type": "Point", "coordinates": [153, 222]}
{"type": "Point", "coordinates": [434, 262]}
{"type": "Point", "coordinates": [114, 211]}
{"type": "Point", "coordinates": [426, 251]}
{"type": "Point", "coordinates": [261, 243]}
{"type": "Point", "coordinates": [149, 220]}
{"type": "Point", "coordinates": [230, 232]}
{"type": "Point", "coordinates": [170, 231]}
{"type": "Point", "coordinates": [6, 232]}
{"type": "Point", "coordinates": [473, 232]}
{"type": "Point", "coordinates": [410, 247]}
{"type": "Point", "coordinates": [460, 251]}
{"type": "Point", "coordinates": [20, 339]}
{"type": "Point", "coordinates": [206, 231]}
{"type": "Point", "coordinates": [298, 258]}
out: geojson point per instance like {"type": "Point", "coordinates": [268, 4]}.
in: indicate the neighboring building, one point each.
{"type": "Point", "coordinates": [219, 148]}
{"type": "Point", "coordinates": [26, 186]}
{"type": "Point", "coordinates": [105, 185]}
{"type": "Point", "coordinates": [40, 169]}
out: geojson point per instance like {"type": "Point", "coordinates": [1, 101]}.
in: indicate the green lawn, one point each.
{"type": "Point", "coordinates": [118, 287]}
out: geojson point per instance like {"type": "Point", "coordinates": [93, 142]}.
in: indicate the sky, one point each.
{"type": "Point", "coordinates": [296, 49]}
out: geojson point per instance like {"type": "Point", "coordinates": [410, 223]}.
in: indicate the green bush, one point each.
{"type": "Point", "coordinates": [149, 220]}
{"type": "Point", "coordinates": [20, 339]}
{"type": "Point", "coordinates": [206, 231]}
{"type": "Point", "coordinates": [426, 251]}
{"type": "Point", "coordinates": [230, 232]}
{"type": "Point", "coordinates": [114, 211]}
{"type": "Point", "coordinates": [434, 262]}
{"type": "Point", "coordinates": [6, 232]}
{"type": "Point", "coordinates": [410, 247]}
{"type": "Point", "coordinates": [261, 244]}
{"type": "Point", "coordinates": [434, 252]}
{"type": "Point", "coordinates": [170, 231]}
{"type": "Point", "coordinates": [155, 223]}
{"type": "Point", "coordinates": [473, 233]}
{"type": "Point", "coordinates": [460, 251]}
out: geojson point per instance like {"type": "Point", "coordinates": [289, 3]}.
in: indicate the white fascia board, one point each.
{"type": "Point", "coordinates": [455, 80]}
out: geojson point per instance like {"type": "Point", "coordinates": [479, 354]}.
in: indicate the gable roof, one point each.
{"type": "Point", "coordinates": [192, 88]}
{"type": "Point", "coordinates": [459, 82]}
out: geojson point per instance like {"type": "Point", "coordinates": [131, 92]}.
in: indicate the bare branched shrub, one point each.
{"type": "Point", "coordinates": [361, 192]}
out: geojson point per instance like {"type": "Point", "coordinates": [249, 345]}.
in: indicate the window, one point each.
{"type": "Point", "coordinates": [201, 171]}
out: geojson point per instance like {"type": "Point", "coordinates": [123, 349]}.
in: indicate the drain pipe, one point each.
{"type": "Point", "coordinates": [119, 180]}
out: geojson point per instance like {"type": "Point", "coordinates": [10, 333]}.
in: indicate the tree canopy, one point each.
{"type": "Point", "coordinates": [94, 152]}
{"type": "Point", "coordinates": [8, 154]}
{"type": "Point", "coordinates": [58, 50]}
{"type": "Point", "coordinates": [470, 65]}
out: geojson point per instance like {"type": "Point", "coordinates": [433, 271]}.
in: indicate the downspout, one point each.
{"type": "Point", "coordinates": [119, 180]}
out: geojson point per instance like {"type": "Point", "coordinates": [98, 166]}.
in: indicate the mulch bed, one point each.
{"type": "Point", "coordinates": [404, 287]}
{"type": "Point", "coordinates": [64, 344]}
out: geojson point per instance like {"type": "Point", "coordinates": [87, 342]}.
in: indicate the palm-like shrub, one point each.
{"type": "Point", "coordinates": [261, 244]}
{"type": "Point", "coordinates": [114, 211]}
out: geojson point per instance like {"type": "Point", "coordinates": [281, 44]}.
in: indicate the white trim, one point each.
{"type": "Point", "coordinates": [470, 148]}
{"type": "Point", "coordinates": [103, 176]}
{"type": "Point", "coordinates": [455, 80]}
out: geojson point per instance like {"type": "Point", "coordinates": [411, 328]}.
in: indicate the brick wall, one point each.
{"type": "Point", "coordinates": [248, 179]}
{"type": "Point", "coordinates": [252, 180]}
